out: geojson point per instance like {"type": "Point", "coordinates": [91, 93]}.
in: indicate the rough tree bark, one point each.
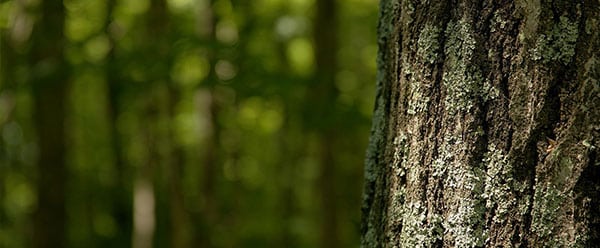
{"type": "Point", "coordinates": [486, 126]}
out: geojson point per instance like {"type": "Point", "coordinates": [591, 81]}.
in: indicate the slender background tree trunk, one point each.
{"type": "Point", "coordinates": [324, 94]}
{"type": "Point", "coordinates": [49, 82]}
{"type": "Point", "coordinates": [486, 125]}
{"type": "Point", "coordinates": [209, 107]}
{"type": "Point", "coordinates": [122, 202]}
{"type": "Point", "coordinates": [7, 97]}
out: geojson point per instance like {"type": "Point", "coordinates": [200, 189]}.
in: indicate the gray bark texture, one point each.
{"type": "Point", "coordinates": [486, 127]}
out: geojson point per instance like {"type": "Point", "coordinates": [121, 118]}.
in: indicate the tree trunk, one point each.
{"type": "Point", "coordinates": [7, 103]}
{"type": "Point", "coordinates": [144, 189]}
{"type": "Point", "coordinates": [179, 216]}
{"type": "Point", "coordinates": [486, 126]}
{"type": "Point", "coordinates": [49, 80]}
{"type": "Point", "coordinates": [121, 191]}
{"type": "Point", "coordinates": [209, 107]}
{"type": "Point", "coordinates": [323, 94]}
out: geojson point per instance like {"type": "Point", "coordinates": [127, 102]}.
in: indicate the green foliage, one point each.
{"type": "Point", "coordinates": [206, 100]}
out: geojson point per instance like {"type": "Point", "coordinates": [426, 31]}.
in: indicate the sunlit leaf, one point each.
{"type": "Point", "coordinates": [190, 69]}
{"type": "Point", "coordinates": [300, 52]}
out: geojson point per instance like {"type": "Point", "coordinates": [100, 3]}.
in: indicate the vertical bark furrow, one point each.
{"type": "Point", "coordinates": [573, 160]}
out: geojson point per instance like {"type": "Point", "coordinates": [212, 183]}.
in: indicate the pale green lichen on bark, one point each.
{"type": "Point", "coordinates": [400, 154]}
{"type": "Point", "coordinates": [497, 23]}
{"type": "Point", "coordinates": [418, 99]}
{"type": "Point", "coordinates": [397, 209]}
{"type": "Point", "coordinates": [462, 79]}
{"type": "Point", "coordinates": [428, 44]}
{"type": "Point", "coordinates": [547, 202]}
{"type": "Point", "coordinates": [565, 169]}
{"type": "Point", "coordinates": [445, 156]}
{"type": "Point", "coordinates": [409, 10]}
{"type": "Point", "coordinates": [419, 230]}
{"type": "Point", "coordinates": [498, 183]}
{"type": "Point", "coordinates": [531, 10]}
{"type": "Point", "coordinates": [590, 24]}
{"type": "Point", "coordinates": [558, 44]}
{"type": "Point", "coordinates": [463, 224]}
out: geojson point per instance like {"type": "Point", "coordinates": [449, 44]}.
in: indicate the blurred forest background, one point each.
{"type": "Point", "coordinates": [184, 123]}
